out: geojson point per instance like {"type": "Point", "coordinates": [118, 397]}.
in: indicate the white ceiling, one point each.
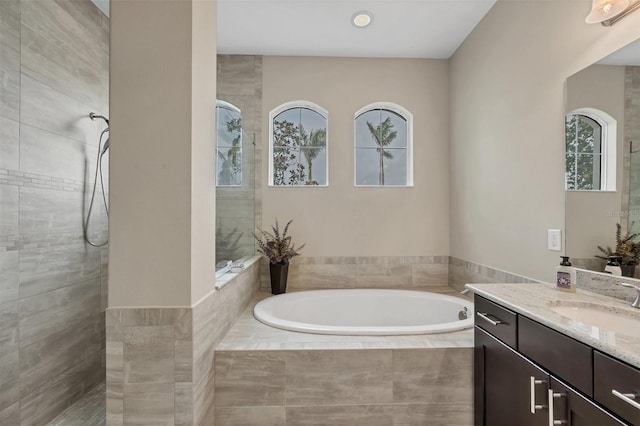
{"type": "Point", "coordinates": [628, 55]}
{"type": "Point", "coordinates": [400, 28]}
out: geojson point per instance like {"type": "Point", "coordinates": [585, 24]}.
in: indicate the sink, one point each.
{"type": "Point", "coordinates": [618, 320]}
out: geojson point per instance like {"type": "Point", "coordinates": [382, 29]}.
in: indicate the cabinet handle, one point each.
{"type": "Point", "coordinates": [627, 397]}
{"type": "Point", "coordinates": [553, 422]}
{"type": "Point", "coordinates": [532, 393]}
{"type": "Point", "coordinates": [485, 317]}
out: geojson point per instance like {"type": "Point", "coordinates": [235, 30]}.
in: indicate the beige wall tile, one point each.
{"type": "Point", "coordinates": [308, 276]}
{"type": "Point", "coordinates": [432, 375]}
{"type": "Point", "coordinates": [149, 375]}
{"type": "Point", "coordinates": [10, 58]}
{"type": "Point", "coordinates": [339, 377]}
{"type": "Point", "coordinates": [430, 275]}
{"type": "Point", "coordinates": [249, 378]}
{"type": "Point", "coordinates": [433, 414]}
{"type": "Point", "coordinates": [250, 416]}
{"type": "Point", "coordinates": [383, 275]}
{"type": "Point", "coordinates": [347, 415]}
{"type": "Point", "coordinates": [8, 276]}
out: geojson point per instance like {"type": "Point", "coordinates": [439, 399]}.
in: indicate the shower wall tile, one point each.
{"type": "Point", "coordinates": [44, 211]}
{"type": "Point", "coordinates": [250, 416]}
{"type": "Point", "coordinates": [47, 314]}
{"type": "Point", "coordinates": [348, 415]}
{"type": "Point", "coordinates": [339, 377]}
{"type": "Point", "coordinates": [45, 108]}
{"type": "Point", "coordinates": [8, 276]}
{"type": "Point", "coordinates": [10, 58]}
{"type": "Point", "coordinates": [44, 404]}
{"type": "Point", "coordinates": [236, 75]}
{"type": "Point", "coordinates": [50, 268]}
{"type": "Point", "coordinates": [54, 354]}
{"type": "Point", "coordinates": [8, 210]}
{"type": "Point", "coordinates": [62, 47]}
{"type": "Point", "coordinates": [9, 332]}
{"type": "Point", "coordinates": [9, 143]}
{"type": "Point", "coordinates": [46, 153]}
{"type": "Point", "coordinates": [10, 415]}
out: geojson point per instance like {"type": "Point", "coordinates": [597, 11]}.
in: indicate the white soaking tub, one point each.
{"type": "Point", "coordinates": [365, 312]}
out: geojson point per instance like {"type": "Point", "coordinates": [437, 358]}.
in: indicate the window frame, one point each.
{"type": "Point", "coordinates": [232, 107]}
{"type": "Point", "coordinates": [608, 148]}
{"type": "Point", "coordinates": [408, 117]}
{"type": "Point", "coordinates": [282, 108]}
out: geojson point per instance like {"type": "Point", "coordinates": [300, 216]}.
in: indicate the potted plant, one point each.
{"type": "Point", "coordinates": [627, 251]}
{"type": "Point", "coordinates": [279, 250]}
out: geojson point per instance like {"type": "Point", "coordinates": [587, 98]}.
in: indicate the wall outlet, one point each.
{"type": "Point", "coordinates": [554, 239]}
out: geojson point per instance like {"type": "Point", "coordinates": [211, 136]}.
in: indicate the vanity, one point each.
{"type": "Point", "coordinates": [546, 357]}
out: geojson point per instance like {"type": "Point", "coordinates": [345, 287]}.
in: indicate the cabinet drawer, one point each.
{"type": "Point", "coordinates": [563, 356]}
{"type": "Point", "coordinates": [609, 375]}
{"type": "Point", "coordinates": [496, 320]}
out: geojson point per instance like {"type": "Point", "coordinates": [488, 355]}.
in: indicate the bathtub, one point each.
{"type": "Point", "coordinates": [365, 312]}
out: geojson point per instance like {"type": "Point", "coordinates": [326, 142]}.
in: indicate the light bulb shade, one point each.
{"type": "Point", "coordinates": [602, 10]}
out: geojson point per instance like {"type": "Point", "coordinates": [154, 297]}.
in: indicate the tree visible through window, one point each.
{"type": "Point", "coordinates": [228, 145]}
{"type": "Point", "coordinates": [382, 145]}
{"type": "Point", "coordinates": [584, 155]}
{"type": "Point", "coordinates": [299, 146]}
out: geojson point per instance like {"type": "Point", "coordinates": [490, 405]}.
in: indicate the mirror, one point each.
{"type": "Point", "coordinates": [602, 123]}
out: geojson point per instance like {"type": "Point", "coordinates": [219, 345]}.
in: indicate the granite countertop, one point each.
{"type": "Point", "coordinates": [536, 301]}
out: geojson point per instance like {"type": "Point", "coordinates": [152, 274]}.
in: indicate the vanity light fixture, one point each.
{"type": "Point", "coordinates": [608, 12]}
{"type": "Point", "coordinates": [362, 19]}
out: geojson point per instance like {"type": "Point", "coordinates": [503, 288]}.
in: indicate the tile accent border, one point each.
{"type": "Point", "coordinates": [462, 272]}
{"type": "Point", "coordinates": [408, 272]}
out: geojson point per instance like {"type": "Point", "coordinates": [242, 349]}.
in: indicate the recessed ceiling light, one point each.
{"type": "Point", "coordinates": [362, 19]}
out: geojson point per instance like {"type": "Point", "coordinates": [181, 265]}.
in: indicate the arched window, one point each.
{"type": "Point", "coordinates": [383, 145]}
{"type": "Point", "coordinates": [590, 138]}
{"type": "Point", "coordinates": [298, 145]}
{"type": "Point", "coordinates": [228, 144]}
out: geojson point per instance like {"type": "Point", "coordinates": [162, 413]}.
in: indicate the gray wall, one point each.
{"type": "Point", "coordinates": [53, 71]}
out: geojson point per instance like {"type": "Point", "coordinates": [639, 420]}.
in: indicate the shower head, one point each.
{"type": "Point", "coordinates": [94, 116]}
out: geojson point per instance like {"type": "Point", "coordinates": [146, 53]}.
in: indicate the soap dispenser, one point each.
{"type": "Point", "coordinates": [613, 266]}
{"type": "Point", "coordinates": [566, 276]}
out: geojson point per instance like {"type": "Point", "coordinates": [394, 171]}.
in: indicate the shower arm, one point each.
{"type": "Point", "coordinates": [94, 116]}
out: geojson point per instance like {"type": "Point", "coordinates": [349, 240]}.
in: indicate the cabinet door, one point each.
{"type": "Point", "coordinates": [509, 389]}
{"type": "Point", "coordinates": [572, 409]}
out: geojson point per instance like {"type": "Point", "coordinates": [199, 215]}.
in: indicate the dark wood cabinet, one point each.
{"type": "Point", "coordinates": [572, 409]}
{"type": "Point", "coordinates": [527, 379]}
{"type": "Point", "coordinates": [509, 389]}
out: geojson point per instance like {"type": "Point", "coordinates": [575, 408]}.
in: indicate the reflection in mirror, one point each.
{"type": "Point", "coordinates": [602, 119]}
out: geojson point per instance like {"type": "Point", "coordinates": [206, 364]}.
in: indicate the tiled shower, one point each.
{"type": "Point", "coordinates": [54, 69]}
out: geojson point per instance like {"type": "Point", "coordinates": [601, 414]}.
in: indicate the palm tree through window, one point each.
{"type": "Point", "coordinates": [382, 147]}
{"type": "Point", "coordinates": [298, 145]}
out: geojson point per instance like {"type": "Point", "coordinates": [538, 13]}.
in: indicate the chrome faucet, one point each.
{"type": "Point", "coordinates": [636, 302]}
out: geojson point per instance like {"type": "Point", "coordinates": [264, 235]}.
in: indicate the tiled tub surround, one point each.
{"type": "Point", "coordinates": [535, 301]}
{"type": "Point", "coordinates": [265, 375]}
{"type": "Point", "coordinates": [161, 359]}
{"type": "Point", "coordinates": [417, 272]}
{"type": "Point", "coordinates": [54, 64]}
{"type": "Point", "coordinates": [462, 272]}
